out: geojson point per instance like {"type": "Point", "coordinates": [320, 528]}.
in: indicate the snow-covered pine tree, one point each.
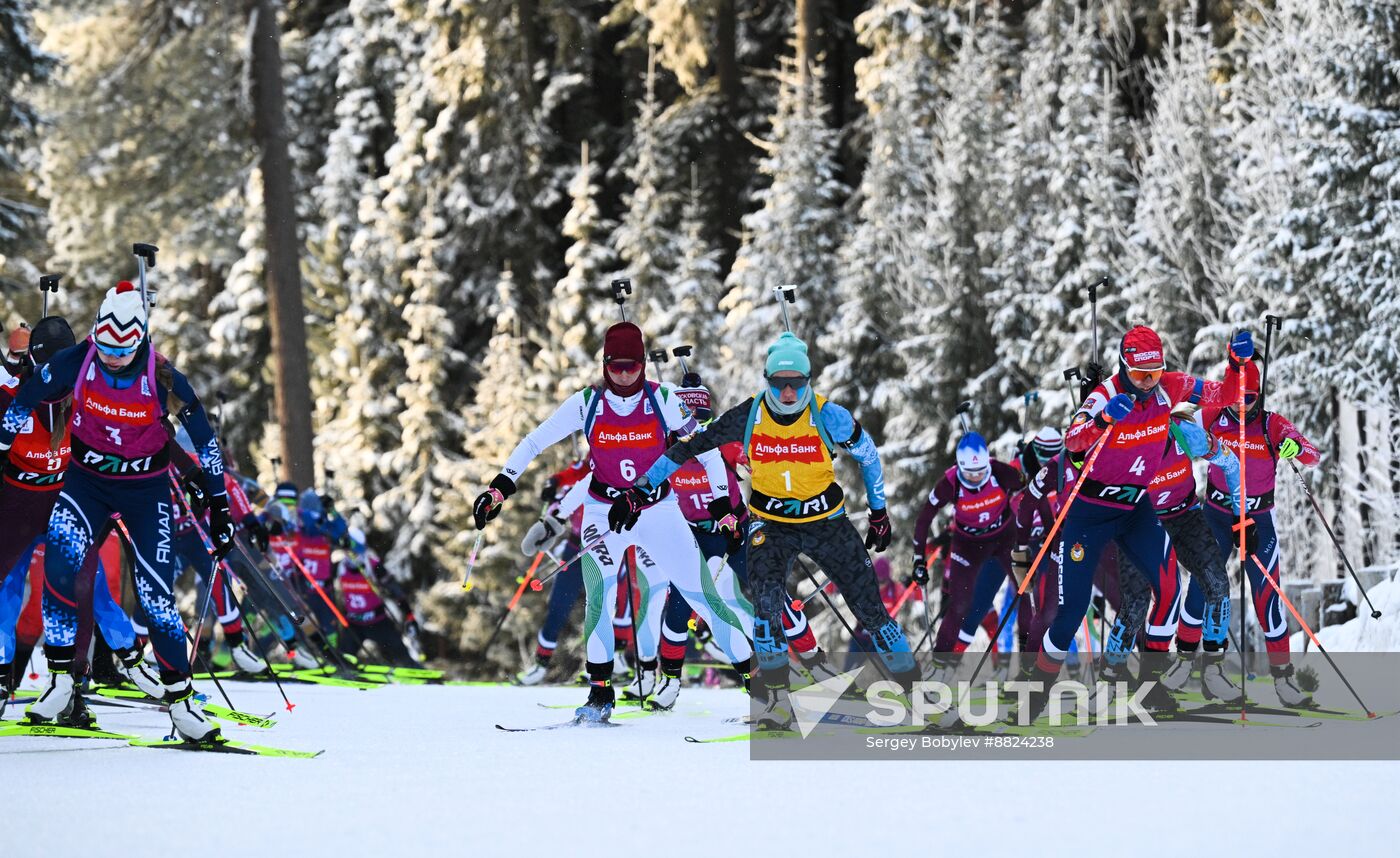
{"type": "Point", "coordinates": [645, 240]}
{"type": "Point", "coordinates": [888, 256]}
{"type": "Point", "coordinates": [22, 64]}
{"type": "Point", "coordinates": [356, 378]}
{"type": "Point", "coordinates": [945, 344]}
{"type": "Point", "coordinates": [793, 238]}
{"type": "Point", "coordinates": [694, 292]}
{"type": "Point", "coordinates": [579, 310]}
{"type": "Point", "coordinates": [1181, 231]}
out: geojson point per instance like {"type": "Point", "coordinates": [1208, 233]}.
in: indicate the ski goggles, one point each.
{"type": "Point", "coordinates": [796, 382]}
{"type": "Point", "coordinates": [117, 351]}
{"type": "Point", "coordinates": [1145, 378]}
{"type": "Point", "coordinates": [624, 366]}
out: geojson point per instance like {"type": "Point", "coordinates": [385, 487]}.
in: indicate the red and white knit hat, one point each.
{"type": "Point", "coordinates": [121, 320]}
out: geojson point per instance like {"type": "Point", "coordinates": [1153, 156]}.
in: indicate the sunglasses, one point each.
{"type": "Point", "coordinates": [623, 365]}
{"type": "Point", "coordinates": [1145, 377]}
{"type": "Point", "coordinates": [116, 351]}
{"type": "Point", "coordinates": [795, 382]}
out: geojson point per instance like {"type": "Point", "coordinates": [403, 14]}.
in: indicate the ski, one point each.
{"type": "Point", "coordinates": [222, 746]}
{"type": "Point", "coordinates": [762, 735]}
{"type": "Point", "coordinates": [574, 723]}
{"type": "Point", "coordinates": [61, 731]}
{"type": "Point", "coordinates": [318, 678]}
{"type": "Point", "coordinates": [139, 700]}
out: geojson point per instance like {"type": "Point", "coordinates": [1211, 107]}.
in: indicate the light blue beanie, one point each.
{"type": "Point", "coordinates": [788, 353]}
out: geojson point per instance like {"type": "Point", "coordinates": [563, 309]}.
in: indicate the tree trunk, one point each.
{"type": "Point", "coordinates": [808, 20]}
{"type": "Point", "coordinates": [728, 141]}
{"type": "Point", "coordinates": [291, 373]}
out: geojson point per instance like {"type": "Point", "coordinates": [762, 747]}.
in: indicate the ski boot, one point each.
{"type": "Point", "coordinates": [775, 709]}
{"type": "Point", "coordinates": [245, 660]}
{"type": "Point", "coordinates": [6, 685]}
{"type": "Point", "coordinates": [139, 673]}
{"type": "Point", "coordinates": [597, 709]}
{"type": "Point", "coordinates": [60, 704]}
{"type": "Point", "coordinates": [187, 715]}
{"type": "Point", "coordinates": [534, 674]}
{"type": "Point", "coordinates": [1158, 698]}
{"type": "Point", "coordinates": [816, 665]}
{"type": "Point", "coordinates": [1108, 689]}
{"type": "Point", "coordinates": [644, 683]}
{"type": "Point", "coordinates": [666, 694]}
{"type": "Point", "coordinates": [1286, 687]}
{"type": "Point", "coordinates": [298, 657]}
{"type": "Point", "coordinates": [1216, 685]}
{"type": "Point", "coordinates": [622, 666]}
{"type": "Point", "coordinates": [1179, 673]}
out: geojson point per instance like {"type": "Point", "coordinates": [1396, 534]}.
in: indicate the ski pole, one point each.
{"type": "Point", "coordinates": [121, 525]}
{"type": "Point", "coordinates": [1268, 579]}
{"type": "Point", "coordinates": [1375, 614]}
{"type": "Point", "coordinates": [621, 288]}
{"type": "Point", "coordinates": [274, 586]}
{"type": "Point", "coordinates": [145, 259]}
{"type": "Point", "coordinates": [320, 591]}
{"type": "Point", "coordinates": [1099, 447]}
{"type": "Point", "coordinates": [467, 582]}
{"type": "Point", "coordinates": [1270, 322]}
{"type": "Point", "coordinates": [515, 600]}
{"type": "Point", "coordinates": [47, 283]}
{"type": "Point", "coordinates": [786, 295]}
{"type": "Point", "coordinates": [225, 569]}
{"type": "Point", "coordinates": [1244, 575]}
{"type": "Point", "coordinates": [821, 591]}
{"type": "Point", "coordinates": [561, 565]}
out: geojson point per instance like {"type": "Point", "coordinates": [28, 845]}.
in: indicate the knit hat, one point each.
{"type": "Point", "coordinates": [121, 320]}
{"type": "Point", "coordinates": [623, 341]}
{"type": "Point", "coordinates": [1142, 349]}
{"type": "Point", "coordinates": [1047, 443]}
{"type": "Point", "coordinates": [51, 336]}
{"type": "Point", "coordinates": [19, 340]}
{"type": "Point", "coordinates": [787, 353]}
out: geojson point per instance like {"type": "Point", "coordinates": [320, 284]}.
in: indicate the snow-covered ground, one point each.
{"type": "Point", "coordinates": [1364, 634]}
{"type": "Point", "coordinates": [422, 770]}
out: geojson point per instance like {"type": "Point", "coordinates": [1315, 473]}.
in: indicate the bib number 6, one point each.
{"type": "Point", "coordinates": [629, 470]}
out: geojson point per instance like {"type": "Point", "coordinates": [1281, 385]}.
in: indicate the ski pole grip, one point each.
{"type": "Point", "coordinates": [146, 252]}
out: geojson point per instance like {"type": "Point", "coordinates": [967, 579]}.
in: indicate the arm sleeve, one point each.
{"type": "Point", "coordinates": [49, 381]}
{"type": "Point", "coordinates": [848, 434]}
{"type": "Point", "coordinates": [196, 422]}
{"type": "Point", "coordinates": [1280, 428]}
{"type": "Point", "coordinates": [938, 498]}
{"type": "Point", "coordinates": [728, 428]}
{"type": "Point", "coordinates": [678, 415]}
{"type": "Point", "coordinates": [1180, 386]}
{"type": "Point", "coordinates": [565, 421]}
{"type": "Point", "coordinates": [1008, 477]}
{"type": "Point", "coordinates": [1084, 430]}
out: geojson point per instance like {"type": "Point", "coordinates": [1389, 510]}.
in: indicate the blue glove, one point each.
{"type": "Point", "coordinates": [1118, 407]}
{"type": "Point", "coordinates": [1241, 347]}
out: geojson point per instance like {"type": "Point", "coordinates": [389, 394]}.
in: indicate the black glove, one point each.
{"type": "Point", "coordinates": [726, 521]}
{"type": "Point", "coordinates": [691, 379]}
{"type": "Point", "coordinates": [254, 528]}
{"type": "Point", "coordinates": [275, 528]}
{"type": "Point", "coordinates": [328, 504]}
{"type": "Point", "coordinates": [1090, 380]}
{"type": "Point", "coordinates": [193, 486]}
{"type": "Point", "coordinates": [549, 490]}
{"type": "Point", "coordinates": [877, 535]}
{"type": "Point", "coordinates": [626, 509]}
{"type": "Point", "coordinates": [1251, 537]}
{"type": "Point", "coordinates": [920, 570]}
{"type": "Point", "coordinates": [488, 503]}
{"type": "Point", "coordinates": [220, 526]}
{"type": "Point", "coordinates": [944, 539]}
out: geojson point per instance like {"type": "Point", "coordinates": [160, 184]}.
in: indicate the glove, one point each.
{"type": "Point", "coordinates": [193, 486]}
{"type": "Point", "coordinates": [944, 539]}
{"type": "Point", "coordinates": [919, 572]}
{"type": "Point", "coordinates": [542, 535]}
{"type": "Point", "coordinates": [1251, 535]}
{"type": "Point", "coordinates": [1241, 349]}
{"type": "Point", "coordinates": [1120, 406]}
{"type": "Point", "coordinates": [328, 504]}
{"type": "Point", "coordinates": [549, 490]}
{"type": "Point", "coordinates": [626, 509]}
{"type": "Point", "coordinates": [1090, 380]}
{"type": "Point", "coordinates": [488, 503]}
{"type": "Point", "coordinates": [1020, 565]}
{"type": "Point", "coordinates": [275, 528]}
{"type": "Point", "coordinates": [1289, 449]}
{"type": "Point", "coordinates": [691, 379]}
{"type": "Point", "coordinates": [220, 526]}
{"type": "Point", "coordinates": [877, 536]}
{"type": "Point", "coordinates": [254, 528]}
{"type": "Point", "coordinates": [726, 524]}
